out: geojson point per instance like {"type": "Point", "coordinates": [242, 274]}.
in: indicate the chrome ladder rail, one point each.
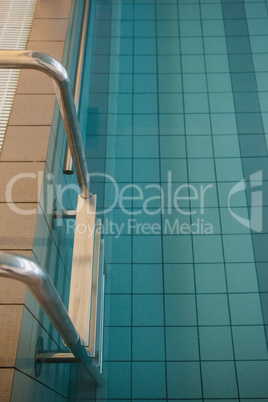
{"type": "Point", "coordinates": [68, 163]}
{"type": "Point", "coordinates": [82, 277]}
{"type": "Point", "coordinates": [25, 270]}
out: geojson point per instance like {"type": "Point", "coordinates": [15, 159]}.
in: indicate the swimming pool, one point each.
{"type": "Point", "coordinates": [176, 142]}
{"type": "Point", "coordinates": [175, 117]}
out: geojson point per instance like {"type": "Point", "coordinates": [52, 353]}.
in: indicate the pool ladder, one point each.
{"type": "Point", "coordinates": [82, 327]}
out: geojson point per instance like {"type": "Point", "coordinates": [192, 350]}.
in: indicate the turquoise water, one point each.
{"type": "Point", "coordinates": [176, 131]}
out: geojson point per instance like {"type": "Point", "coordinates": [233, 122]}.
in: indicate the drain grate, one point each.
{"type": "Point", "coordinates": [16, 18]}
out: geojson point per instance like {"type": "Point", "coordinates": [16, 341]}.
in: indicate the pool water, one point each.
{"type": "Point", "coordinates": [177, 148]}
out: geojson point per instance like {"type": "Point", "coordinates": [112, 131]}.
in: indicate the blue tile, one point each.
{"type": "Point", "coordinates": [145, 103]}
{"type": "Point", "coordinates": [168, 46]}
{"type": "Point", "coordinates": [201, 170]}
{"type": "Point", "coordinates": [121, 83]}
{"type": "Point", "coordinates": [242, 63]}
{"type": "Point", "coordinates": [147, 249]}
{"type": "Point", "coordinates": [120, 64]}
{"type": "Point", "coordinates": [122, 11]}
{"type": "Point", "coordinates": [203, 195]}
{"type": "Point", "coordinates": [117, 28]}
{"type": "Point", "coordinates": [172, 147]}
{"type": "Point", "coordinates": [148, 310]}
{"type": "Point", "coordinates": [171, 124]}
{"type": "Point", "coordinates": [196, 103]}
{"type": "Point", "coordinates": [241, 278]}
{"type": "Point", "coordinates": [182, 343]}
{"type": "Point", "coordinates": [147, 196]}
{"type": "Point", "coordinates": [117, 250]}
{"type": "Point", "coordinates": [96, 168]}
{"type": "Point", "coordinates": [145, 124]}
{"type": "Point", "coordinates": [144, 12]}
{"type": "Point", "coordinates": [207, 248]}
{"type": "Point", "coordinates": [183, 380]}
{"type": "Point", "coordinates": [146, 147]}
{"type": "Point", "coordinates": [179, 278]}
{"type": "Point", "coordinates": [166, 11]}
{"type": "Point", "coordinates": [237, 200]}
{"type": "Point", "coordinates": [213, 28]}
{"type": "Point", "coordinates": [144, 28]}
{"type": "Point", "coordinates": [144, 64]}
{"type": "Point", "coordinates": [147, 278]}
{"type": "Point", "coordinates": [223, 123]}
{"type": "Point", "coordinates": [118, 278]}
{"type": "Point", "coordinates": [117, 195]}
{"type": "Point", "coordinates": [169, 83]}
{"type": "Point", "coordinates": [217, 63]}
{"type": "Point", "coordinates": [210, 278]}
{"type": "Point", "coordinates": [176, 168]}
{"type": "Point", "coordinates": [145, 83]}
{"type": "Point", "coordinates": [193, 29]}
{"type": "Point", "coordinates": [191, 46]}
{"type": "Point", "coordinates": [169, 64]}
{"type": "Point", "coordinates": [170, 103]}
{"type": "Point", "coordinates": [211, 11]}
{"type": "Point", "coordinates": [95, 146]}
{"type": "Point", "coordinates": [118, 380]}
{"type": "Point", "coordinates": [180, 310]}
{"type": "Point", "coordinates": [205, 220]}
{"type": "Point", "coordinates": [144, 46]}
{"type": "Point", "coordinates": [219, 82]}
{"type": "Point", "coordinates": [119, 124]}
{"type": "Point", "coordinates": [176, 222]}
{"type": "Point", "coordinates": [148, 344]}
{"type": "Point", "coordinates": [216, 343]}
{"type": "Point", "coordinates": [238, 45]}
{"type": "Point", "coordinates": [148, 380]}
{"type": "Point", "coordinates": [189, 12]}
{"type": "Point", "coordinates": [193, 64]}
{"type": "Point", "coordinates": [245, 309]}
{"type": "Point", "coordinates": [250, 343]}
{"type": "Point", "coordinates": [259, 45]}
{"type": "Point", "coordinates": [100, 64]}
{"type": "Point", "coordinates": [221, 103]}
{"type": "Point", "coordinates": [225, 146]}
{"type": "Point", "coordinates": [197, 124]}
{"type": "Point", "coordinates": [262, 277]}
{"type": "Point", "coordinates": [177, 249]}
{"type": "Point", "coordinates": [119, 169]}
{"type": "Point", "coordinates": [194, 83]}
{"type": "Point", "coordinates": [252, 379]}
{"type": "Point", "coordinates": [120, 103]}
{"type": "Point", "coordinates": [167, 28]}
{"type": "Point", "coordinates": [117, 310]}
{"type": "Point", "coordinates": [213, 309]}
{"type": "Point", "coordinates": [119, 146]}
{"type": "Point", "coordinates": [257, 27]}
{"type": "Point", "coordinates": [238, 248]}
{"type": "Point", "coordinates": [229, 169]}
{"type": "Point", "coordinates": [231, 223]}
{"type": "Point", "coordinates": [199, 146]}
{"type": "Point", "coordinates": [257, 10]}
{"type": "Point", "coordinates": [146, 170]}
{"type": "Point", "coordinates": [117, 343]}
{"type": "Point", "coordinates": [122, 46]}
{"type": "Point", "coordinates": [219, 380]}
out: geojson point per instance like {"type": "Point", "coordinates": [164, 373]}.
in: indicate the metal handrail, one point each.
{"type": "Point", "coordinates": [27, 59]}
{"type": "Point", "coordinates": [40, 285]}
{"type": "Point", "coordinates": [68, 163]}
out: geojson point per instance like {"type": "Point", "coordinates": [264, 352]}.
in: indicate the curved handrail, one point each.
{"type": "Point", "coordinates": [68, 163]}
{"type": "Point", "coordinates": [40, 285]}
{"type": "Point", "coordinates": [30, 59]}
